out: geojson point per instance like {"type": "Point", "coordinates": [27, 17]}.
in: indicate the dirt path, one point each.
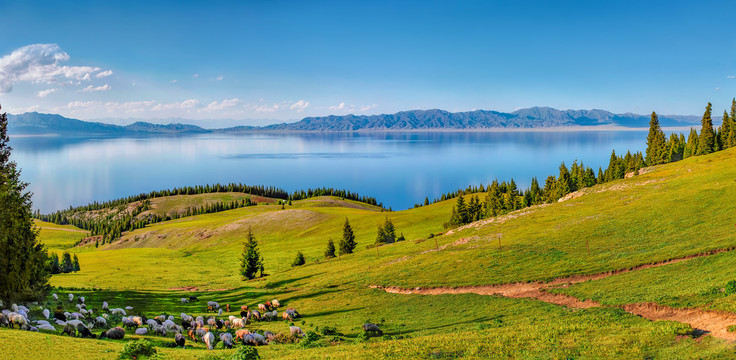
{"type": "Point", "coordinates": [713, 322]}
{"type": "Point", "coordinates": [62, 229]}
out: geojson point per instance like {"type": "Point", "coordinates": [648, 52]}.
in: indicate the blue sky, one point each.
{"type": "Point", "coordinates": [284, 60]}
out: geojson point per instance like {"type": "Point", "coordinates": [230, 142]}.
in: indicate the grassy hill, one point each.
{"type": "Point", "coordinates": [674, 211]}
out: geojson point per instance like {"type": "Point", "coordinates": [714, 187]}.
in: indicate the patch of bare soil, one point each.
{"type": "Point", "coordinates": [715, 323]}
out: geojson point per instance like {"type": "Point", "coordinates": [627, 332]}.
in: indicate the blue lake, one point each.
{"type": "Point", "coordinates": [399, 169]}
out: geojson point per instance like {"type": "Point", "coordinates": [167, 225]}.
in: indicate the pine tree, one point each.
{"type": "Point", "coordinates": [426, 201]}
{"type": "Point", "coordinates": [691, 147]}
{"type": "Point", "coordinates": [67, 265]}
{"type": "Point", "coordinates": [656, 150]}
{"type": "Point", "coordinates": [55, 267]}
{"type": "Point", "coordinates": [299, 260]}
{"type": "Point", "coordinates": [347, 244]}
{"type": "Point", "coordinates": [725, 131]}
{"type": "Point", "coordinates": [389, 231]}
{"type": "Point", "coordinates": [706, 141]}
{"type": "Point", "coordinates": [24, 273]}
{"type": "Point", "coordinates": [250, 261]}
{"type": "Point", "coordinates": [330, 251]}
{"type": "Point", "coordinates": [75, 263]}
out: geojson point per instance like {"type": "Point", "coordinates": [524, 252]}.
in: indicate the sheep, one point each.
{"type": "Point", "coordinates": [69, 330]}
{"type": "Point", "coordinates": [244, 308]}
{"type": "Point", "coordinates": [193, 298]}
{"type": "Point", "coordinates": [71, 297]}
{"type": "Point", "coordinates": [84, 332]}
{"type": "Point", "coordinates": [107, 317]}
{"type": "Point", "coordinates": [296, 331]}
{"type": "Point", "coordinates": [269, 335]}
{"type": "Point", "coordinates": [269, 305]}
{"type": "Point", "coordinates": [160, 330]}
{"type": "Point", "coordinates": [286, 315]}
{"type": "Point", "coordinates": [4, 320]}
{"type": "Point", "coordinates": [74, 323]}
{"type": "Point", "coordinates": [55, 297]}
{"type": "Point", "coordinates": [372, 328]}
{"type": "Point", "coordinates": [184, 301]}
{"type": "Point", "coordinates": [105, 306]}
{"type": "Point", "coordinates": [295, 313]}
{"type": "Point", "coordinates": [128, 323]}
{"type": "Point", "coordinates": [60, 323]}
{"type": "Point", "coordinates": [238, 323]}
{"type": "Point", "coordinates": [46, 313]}
{"type": "Point", "coordinates": [209, 339]}
{"type": "Point", "coordinates": [227, 340]}
{"type": "Point", "coordinates": [270, 316]}
{"type": "Point", "coordinates": [100, 322]}
{"type": "Point", "coordinates": [118, 311]}
{"type": "Point", "coordinates": [214, 304]}
{"type": "Point", "coordinates": [141, 331]}
{"type": "Point", "coordinates": [240, 333]}
{"type": "Point", "coordinates": [81, 299]}
{"type": "Point", "coordinates": [262, 308]}
{"type": "Point", "coordinates": [211, 321]}
{"type": "Point", "coordinates": [275, 303]}
{"type": "Point", "coordinates": [170, 318]}
{"type": "Point", "coordinates": [83, 312]}
{"type": "Point", "coordinates": [16, 318]}
{"type": "Point", "coordinates": [23, 309]}
{"type": "Point", "coordinates": [151, 323]}
{"type": "Point", "coordinates": [169, 324]}
{"type": "Point", "coordinates": [256, 314]}
{"type": "Point", "coordinates": [116, 333]}
{"type": "Point", "coordinates": [219, 312]}
{"type": "Point", "coordinates": [254, 339]}
{"type": "Point", "coordinates": [42, 322]}
{"type": "Point", "coordinates": [192, 334]}
{"type": "Point", "coordinates": [128, 308]}
{"type": "Point", "coordinates": [227, 307]}
{"type": "Point", "coordinates": [180, 340]}
{"type": "Point", "coordinates": [160, 319]}
{"type": "Point", "coordinates": [46, 327]}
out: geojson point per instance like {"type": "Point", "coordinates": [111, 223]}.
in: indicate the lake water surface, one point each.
{"type": "Point", "coordinates": [399, 169]}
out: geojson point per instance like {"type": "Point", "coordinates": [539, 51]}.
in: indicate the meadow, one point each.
{"type": "Point", "coordinates": [672, 211]}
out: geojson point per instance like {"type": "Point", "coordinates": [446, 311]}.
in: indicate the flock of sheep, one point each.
{"type": "Point", "coordinates": [80, 322]}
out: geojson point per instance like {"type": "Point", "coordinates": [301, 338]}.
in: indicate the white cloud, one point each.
{"type": "Point", "coordinates": [299, 106]}
{"type": "Point", "coordinates": [342, 106]}
{"type": "Point", "coordinates": [219, 77]}
{"type": "Point", "coordinates": [184, 105]}
{"type": "Point", "coordinates": [173, 81]}
{"type": "Point", "coordinates": [91, 88]}
{"type": "Point", "coordinates": [39, 63]}
{"type": "Point", "coordinates": [195, 76]}
{"type": "Point", "coordinates": [45, 93]}
{"type": "Point", "coordinates": [23, 110]}
{"type": "Point", "coordinates": [224, 104]}
{"type": "Point", "coordinates": [351, 108]}
{"type": "Point", "coordinates": [718, 88]}
{"type": "Point", "coordinates": [367, 107]}
{"type": "Point", "coordinates": [103, 74]}
{"type": "Point", "coordinates": [731, 77]}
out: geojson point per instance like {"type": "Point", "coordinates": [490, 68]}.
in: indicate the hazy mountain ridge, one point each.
{"type": "Point", "coordinates": [433, 119]}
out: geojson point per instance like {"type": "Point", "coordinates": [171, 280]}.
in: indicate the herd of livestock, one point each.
{"type": "Point", "coordinates": [229, 330]}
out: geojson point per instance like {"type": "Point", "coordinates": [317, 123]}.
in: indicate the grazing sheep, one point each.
{"type": "Point", "coordinates": [262, 308]}
{"type": "Point", "coordinates": [61, 323]}
{"type": "Point", "coordinates": [211, 321]}
{"type": "Point", "coordinates": [209, 339]}
{"type": "Point", "coordinates": [296, 331]}
{"type": "Point", "coordinates": [71, 297]}
{"type": "Point", "coordinates": [160, 330]}
{"type": "Point", "coordinates": [372, 328]}
{"type": "Point", "coordinates": [128, 308]}
{"type": "Point", "coordinates": [46, 313]}
{"type": "Point", "coordinates": [81, 299]}
{"type": "Point", "coordinates": [74, 323]}
{"type": "Point", "coordinates": [295, 313]}
{"type": "Point", "coordinates": [141, 331]}
{"type": "Point", "coordinates": [105, 307]}
{"type": "Point", "coordinates": [219, 324]}
{"type": "Point", "coordinates": [84, 332]}
{"type": "Point", "coordinates": [42, 322]}
{"type": "Point", "coordinates": [275, 303]}
{"type": "Point", "coordinates": [269, 335]}
{"type": "Point", "coordinates": [227, 340]}
{"type": "Point", "coordinates": [219, 312]}
{"type": "Point", "coordinates": [100, 322]}
{"type": "Point", "coordinates": [256, 314]}
{"type": "Point", "coordinates": [227, 307]}
{"type": "Point", "coordinates": [128, 323]}
{"type": "Point", "coordinates": [169, 324]}
{"type": "Point", "coordinates": [116, 333]}
{"type": "Point", "coordinates": [46, 327]}
{"type": "Point", "coordinates": [192, 335]}
{"type": "Point", "coordinates": [19, 319]}
{"type": "Point", "coordinates": [4, 320]}
{"type": "Point", "coordinates": [214, 304]}
{"type": "Point", "coordinates": [118, 311]}
{"type": "Point", "coordinates": [170, 318]}
{"type": "Point", "coordinates": [83, 312]}
{"type": "Point", "coordinates": [240, 333]}
{"type": "Point", "coordinates": [23, 309]}
{"type": "Point", "coordinates": [184, 301]}
{"type": "Point", "coordinates": [260, 339]}
{"type": "Point", "coordinates": [238, 323]}
{"type": "Point", "coordinates": [269, 305]}
{"type": "Point", "coordinates": [151, 323]}
{"type": "Point", "coordinates": [180, 340]}
{"type": "Point", "coordinates": [69, 330]}
{"type": "Point", "coordinates": [193, 298]}
{"type": "Point", "coordinates": [270, 316]}
{"type": "Point", "coordinates": [244, 308]}
{"type": "Point", "coordinates": [55, 297]}
{"type": "Point", "coordinates": [254, 339]}
{"type": "Point", "coordinates": [286, 315]}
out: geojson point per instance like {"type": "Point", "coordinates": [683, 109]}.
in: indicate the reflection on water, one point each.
{"type": "Point", "coordinates": [399, 169]}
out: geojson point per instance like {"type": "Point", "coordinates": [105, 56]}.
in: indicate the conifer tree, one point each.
{"type": "Point", "coordinates": [55, 266]}
{"type": "Point", "coordinates": [250, 260]}
{"type": "Point", "coordinates": [656, 150]}
{"type": "Point", "coordinates": [691, 147]}
{"type": "Point", "coordinates": [24, 271]}
{"type": "Point", "coordinates": [706, 141]}
{"type": "Point", "coordinates": [299, 260]}
{"type": "Point", "coordinates": [347, 244]}
{"type": "Point", "coordinates": [330, 251]}
{"type": "Point", "coordinates": [67, 265]}
{"type": "Point", "coordinates": [725, 131]}
{"type": "Point", "coordinates": [75, 263]}
{"type": "Point", "coordinates": [426, 201]}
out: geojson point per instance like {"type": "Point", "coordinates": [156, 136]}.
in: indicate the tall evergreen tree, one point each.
{"type": "Point", "coordinates": [691, 147]}
{"type": "Point", "coordinates": [656, 151]}
{"type": "Point", "coordinates": [347, 244]}
{"type": "Point", "coordinates": [24, 271]}
{"type": "Point", "coordinates": [75, 263]}
{"type": "Point", "coordinates": [386, 232]}
{"type": "Point", "coordinates": [706, 141]}
{"type": "Point", "coordinates": [55, 266]}
{"type": "Point", "coordinates": [250, 261]}
{"type": "Point", "coordinates": [330, 251]}
{"type": "Point", "coordinates": [67, 265]}
{"type": "Point", "coordinates": [725, 131]}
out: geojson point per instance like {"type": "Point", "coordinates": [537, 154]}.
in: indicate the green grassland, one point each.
{"type": "Point", "coordinates": [675, 210]}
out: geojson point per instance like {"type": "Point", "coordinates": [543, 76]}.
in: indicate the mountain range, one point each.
{"type": "Point", "coordinates": [414, 120]}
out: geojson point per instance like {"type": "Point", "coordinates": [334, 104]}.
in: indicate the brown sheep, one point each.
{"type": "Point", "coordinates": [240, 333]}
{"type": "Point", "coordinates": [372, 328]}
{"type": "Point", "coordinates": [262, 308]}
{"type": "Point", "coordinates": [227, 307]}
{"type": "Point", "coordinates": [244, 308]}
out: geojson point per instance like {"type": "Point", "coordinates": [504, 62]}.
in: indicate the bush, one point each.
{"type": "Point", "coordinates": [731, 287]}
{"type": "Point", "coordinates": [137, 349]}
{"type": "Point", "coordinates": [309, 340]}
{"type": "Point", "coordinates": [246, 353]}
{"type": "Point", "coordinates": [327, 330]}
{"type": "Point", "coordinates": [731, 328]}
{"type": "Point", "coordinates": [285, 338]}
{"type": "Point", "coordinates": [299, 260]}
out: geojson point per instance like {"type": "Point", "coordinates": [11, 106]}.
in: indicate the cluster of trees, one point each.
{"type": "Point", "coordinates": [66, 265]}
{"type": "Point", "coordinates": [501, 198]}
{"type": "Point", "coordinates": [23, 264]}
{"type": "Point", "coordinates": [345, 194]}
{"type": "Point", "coordinates": [345, 246]}
{"type": "Point", "coordinates": [387, 233]}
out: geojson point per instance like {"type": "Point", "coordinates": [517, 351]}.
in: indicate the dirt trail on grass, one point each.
{"type": "Point", "coordinates": [713, 322]}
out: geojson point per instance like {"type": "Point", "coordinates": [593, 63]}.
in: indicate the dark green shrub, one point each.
{"type": "Point", "coordinates": [310, 339]}
{"type": "Point", "coordinates": [299, 260]}
{"type": "Point", "coordinates": [731, 328]}
{"type": "Point", "coordinates": [246, 353]}
{"type": "Point", "coordinates": [327, 330]}
{"type": "Point", "coordinates": [731, 287]}
{"type": "Point", "coordinates": [137, 350]}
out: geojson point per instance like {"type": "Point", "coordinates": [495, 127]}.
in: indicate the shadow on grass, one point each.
{"type": "Point", "coordinates": [281, 283]}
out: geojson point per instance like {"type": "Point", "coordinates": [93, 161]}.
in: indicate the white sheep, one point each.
{"type": "Point", "coordinates": [46, 313]}
{"type": "Point", "coordinates": [151, 323]}
{"type": "Point", "coordinates": [105, 306]}
{"type": "Point", "coordinates": [219, 312]}
{"type": "Point", "coordinates": [71, 297]}
{"type": "Point", "coordinates": [81, 299]}
{"type": "Point", "coordinates": [275, 303]}
{"type": "Point", "coordinates": [47, 327]}
{"type": "Point", "coordinates": [100, 322]}
{"type": "Point", "coordinates": [55, 297]}
{"type": "Point", "coordinates": [60, 323]}
{"type": "Point", "coordinates": [227, 340]}
{"type": "Point", "coordinates": [184, 301]}
{"type": "Point", "coordinates": [141, 331]}
{"type": "Point", "coordinates": [128, 308]}
{"type": "Point", "coordinates": [118, 311]}
{"type": "Point", "coordinates": [209, 339]}
{"type": "Point", "coordinates": [296, 331]}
